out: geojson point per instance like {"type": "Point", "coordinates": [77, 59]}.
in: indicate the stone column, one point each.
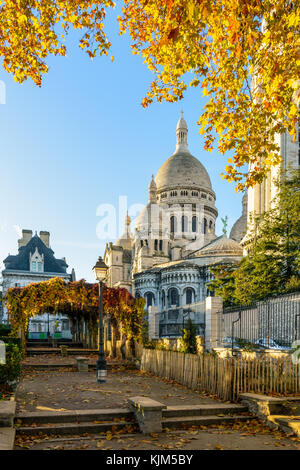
{"type": "Point", "coordinates": [153, 320]}
{"type": "Point", "coordinates": [213, 309]}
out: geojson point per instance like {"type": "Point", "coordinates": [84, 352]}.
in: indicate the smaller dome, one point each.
{"type": "Point", "coordinates": [239, 229]}
{"type": "Point", "coordinates": [148, 217]}
{"type": "Point", "coordinates": [124, 242]}
{"type": "Point", "coordinates": [142, 218]}
{"type": "Point", "coordinates": [221, 245]}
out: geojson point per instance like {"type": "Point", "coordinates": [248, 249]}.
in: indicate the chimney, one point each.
{"type": "Point", "coordinates": [26, 237]}
{"type": "Point", "coordinates": [45, 237]}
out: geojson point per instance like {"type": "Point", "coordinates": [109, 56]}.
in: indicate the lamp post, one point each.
{"type": "Point", "coordinates": [48, 332]}
{"type": "Point", "coordinates": [100, 270]}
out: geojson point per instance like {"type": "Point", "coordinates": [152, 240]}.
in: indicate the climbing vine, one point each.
{"type": "Point", "coordinates": [78, 300]}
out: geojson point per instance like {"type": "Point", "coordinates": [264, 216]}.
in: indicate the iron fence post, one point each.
{"type": "Point", "coordinates": [232, 332]}
{"type": "Point", "coordinates": [296, 326]}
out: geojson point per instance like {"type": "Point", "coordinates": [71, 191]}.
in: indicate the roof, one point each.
{"type": "Point", "coordinates": [181, 170]}
{"type": "Point", "coordinates": [20, 262]}
{"type": "Point", "coordinates": [220, 245]}
{"type": "Point", "coordinates": [167, 266]}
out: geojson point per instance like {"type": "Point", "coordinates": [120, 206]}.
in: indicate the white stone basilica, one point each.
{"type": "Point", "coordinates": [167, 259]}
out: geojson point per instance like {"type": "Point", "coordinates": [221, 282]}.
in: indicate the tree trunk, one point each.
{"type": "Point", "coordinates": [132, 345]}
{"type": "Point", "coordinates": [123, 346]}
{"type": "Point", "coordinates": [113, 341]}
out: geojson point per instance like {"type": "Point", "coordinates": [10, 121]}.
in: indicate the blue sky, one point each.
{"type": "Point", "coordinates": [83, 140]}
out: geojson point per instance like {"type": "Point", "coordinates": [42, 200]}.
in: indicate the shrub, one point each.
{"type": "Point", "coordinates": [11, 340]}
{"type": "Point", "coordinates": [189, 338]}
{"type": "Point", "coordinates": [246, 345]}
{"type": "Point", "coordinates": [4, 330]}
{"type": "Point", "coordinates": [10, 372]}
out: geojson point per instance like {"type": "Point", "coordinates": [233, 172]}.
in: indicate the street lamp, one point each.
{"type": "Point", "coordinates": [100, 270]}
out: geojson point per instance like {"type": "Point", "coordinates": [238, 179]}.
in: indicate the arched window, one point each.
{"type": "Point", "coordinates": [155, 245]}
{"type": "Point", "coordinates": [149, 299]}
{"type": "Point", "coordinates": [163, 299]}
{"type": "Point", "coordinates": [210, 226]}
{"type": "Point", "coordinates": [189, 294]}
{"type": "Point", "coordinates": [36, 261]}
{"type": "Point", "coordinates": [194, 223]}
{"type": "Point", "coordinates": [173, 297]}
{"type": "Point", "coordinates": [204, 225]}
{"type": "Point", "coordinates": [173, 224]}
{"type": "Point", "coordinates": [160, 245]}
{"type": "Point", "coordinates": [184, 224]}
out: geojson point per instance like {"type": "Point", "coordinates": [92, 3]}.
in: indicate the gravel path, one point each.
{"type": "Point", "coordinates": [66, 389]}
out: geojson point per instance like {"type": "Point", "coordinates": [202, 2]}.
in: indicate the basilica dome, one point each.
{"type": "Point", "coordinates": [182, 169]}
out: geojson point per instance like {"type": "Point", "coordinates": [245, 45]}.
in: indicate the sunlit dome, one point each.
{"type": "Point", "coordinates": [182, 169]}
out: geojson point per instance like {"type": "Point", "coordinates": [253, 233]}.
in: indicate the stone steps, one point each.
{"type": "Point", "coordinates": [45, 344]}
{"type": "Point", "coordinates": [277, 412]}
{"type": "Point", "coordinates": [71, 351]}
{"type": "Point", "coordinates": [58, 429]}
{"type": "Point", "coordinates": [75, 422]}
{"type": "Point", "coordinates": [203, 410]}
{"type": "Point", "coordinates": [72, 365]}
{"type": "Point", "coordinates": [288, 424]}
{"type": "Point", "coordinates": [177, 422]}
{"type": "Point", "coordinates": [42, 417]}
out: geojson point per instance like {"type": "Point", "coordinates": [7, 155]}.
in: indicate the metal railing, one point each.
{"type": "Point", "coordinates": [173, 319]}
{"type": "Point", "coordinates": [175, 330]}
{"type": "Point", "coordinates": [271, 324]}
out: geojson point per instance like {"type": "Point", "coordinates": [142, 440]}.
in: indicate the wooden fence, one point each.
{"type": "Point", "coordinates": [225, 377]}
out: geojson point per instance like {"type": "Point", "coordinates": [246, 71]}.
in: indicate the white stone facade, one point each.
{"type": "Point", "coordinates": [35, 258]}
{"type": "Point", "coordinates": [261, 196]}
{"type": "Point", "coordinates": [166, 260]}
